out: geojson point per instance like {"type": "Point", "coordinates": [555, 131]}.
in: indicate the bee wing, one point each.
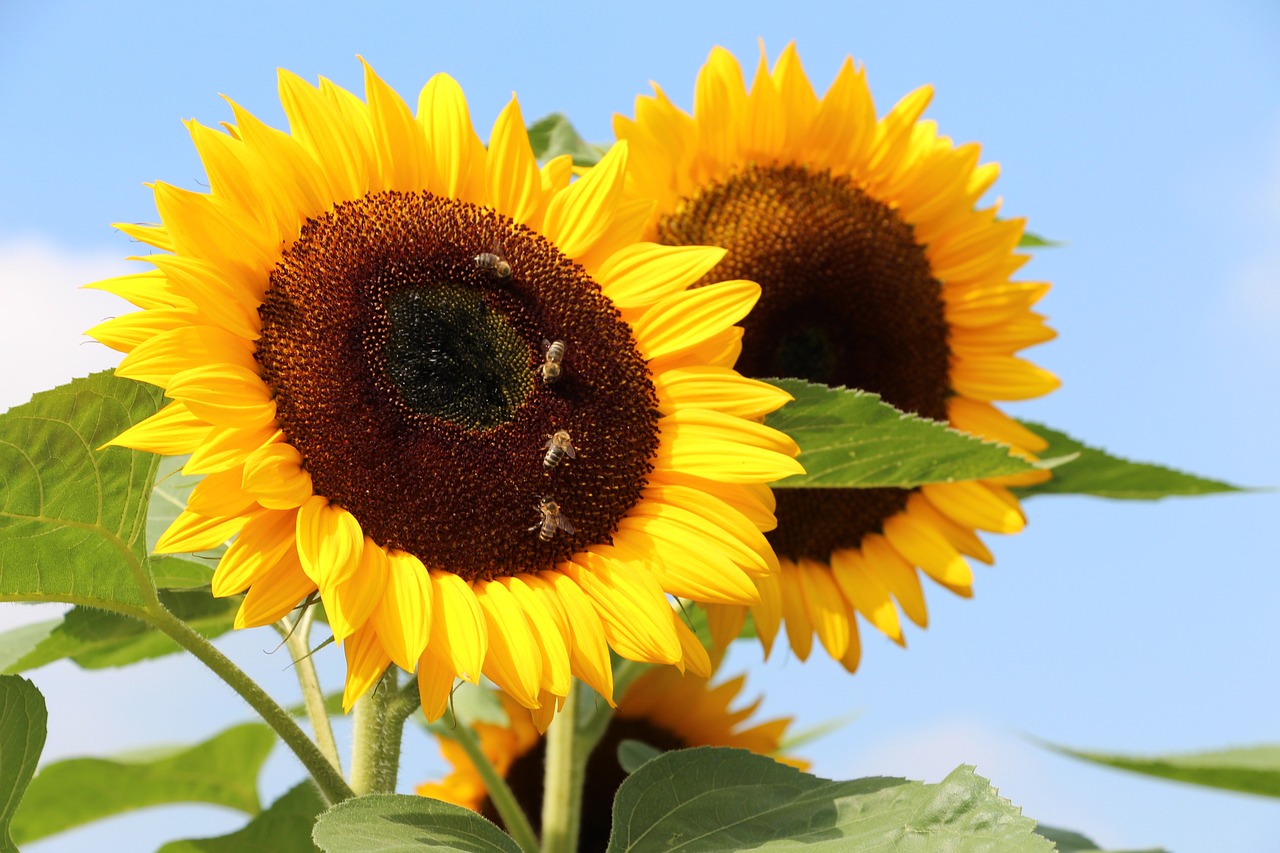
{"type": "Point", "coordinates": [568, 448]}
{"type": "Point", "coordinates": [564, 523]}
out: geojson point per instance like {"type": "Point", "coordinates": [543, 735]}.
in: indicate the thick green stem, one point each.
{"type": "Point", "coordinates": [374, 761]}
{"type": "Point", "coordinates": [330, 782]}
{"type": "Point", "coordinates": [562, 790]}
{"type": "Point", "coordinates": [500, 794]}
{"type": "Point", "coordinates": [296, 640]}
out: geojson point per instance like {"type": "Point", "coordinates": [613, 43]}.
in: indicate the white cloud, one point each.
{"type": "Point", "coordinates": [43, 315]}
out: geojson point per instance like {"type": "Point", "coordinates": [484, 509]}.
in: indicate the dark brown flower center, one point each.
{"type": "Point", "coordinates": [408, 376]}
{"type": "Point", "coordinates": [604, 776]}
{"type": "Point", "coordinates": [848, 299]}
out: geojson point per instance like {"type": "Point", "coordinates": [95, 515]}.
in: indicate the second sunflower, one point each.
{"type": "Point", "coordinates": [880, 272]}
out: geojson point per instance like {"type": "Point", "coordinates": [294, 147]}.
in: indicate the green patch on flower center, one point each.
{"type": "Point", "coordinates": [453, 357]}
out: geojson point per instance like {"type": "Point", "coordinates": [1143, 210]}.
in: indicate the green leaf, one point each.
{"type": "Point", "coordinates": [851, 439]}
{"type": "Point", "coordinates": [72, 517]}
{"type": "Point", "coordinates": [731, 799]}
{"type": "Point", "coordinates": [23, 721]}
{"type": "Point", "coordinates": [632, 754]}
{"type": "Point", "coordinates": [222, 770]}
{"type": "Point", "coordinates": [169, 497]}
{"type": "Point", "coordinates": [1066, 840]}
{"type": "Point", "coordinates": [554, 134]}
{"type": "Point", "coordinates": [1251, 770]}
{"type": "Point", "coordinates": [394, 823]}
{"type": "Point", "coordinates": [1096, 472]}
{"type": "Point", "coordinates": [1035, 241]}
{"type": "Point", "coordinates": [176, 573]}
{"type": "Point", "coordinates": [96, 639]}
{"type": "Point", "coordinates": [285, 827]}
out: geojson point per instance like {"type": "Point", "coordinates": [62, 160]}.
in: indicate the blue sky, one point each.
{"type": "Point", "coordinates": [1145, 135]}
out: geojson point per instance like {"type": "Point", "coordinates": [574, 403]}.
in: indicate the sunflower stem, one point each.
{"type": "Point", "coordinates": [375, 761]}
{"type": "Point", "coordinates": [297, 640]}
{"type": "Point", "coordinates": [565, 771]}
{"type": "Point", "coordinates": [504, 800]}
{"type": "Point", "coordinates": [332, 786]}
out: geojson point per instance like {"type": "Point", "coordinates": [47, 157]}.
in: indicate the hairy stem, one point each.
{"type": "Point", "coordinates": [296, 640]}
{"type": "Point", "coordinates": [375, 761]}
{"type": "Point", "coordinates": [513, 817]}
{"type": "Point", "coordinates": [562, 790]}
{"type": "Point", "coordinates": [330, 782]}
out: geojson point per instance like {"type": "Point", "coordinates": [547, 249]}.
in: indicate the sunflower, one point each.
{"type": "Point", "coordinates": [374, 331]}
{"type": "Point", "coordinates": [662, 708]}
{"type": "Point", "coordinates": [879, 271]}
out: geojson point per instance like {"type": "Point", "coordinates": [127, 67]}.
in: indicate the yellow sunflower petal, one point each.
{"type": "Point", "coordinates": [329, 542]}
{"type": "Point", "coordinates": [720, 389]}
{"type": "Point", "coordinates": [688, 318]}
{"type": "Point", "coordinates": [644, 273]}
{"type": "Point", "coordinates": [191, 532]}
{"type": "Point", "coordinates": [865, 590]}
{"type": "Point", "coordinates": [513, 662]}
{"type": "Point", "coordinates": [927, 548]}
{"type": "Point", "coordinates": [274, 476]}
{"type": "Point", "coordinates": [631, 606]}
{"type": "Point", "coordinates": [350, 603]}
{"type": "Point", "coordinates": [512, 179]}
{"type": "Point", "coordinates": [172, 431]}
{"type": "Point", "coordinates": [695, 657]}
{"type": "Point", "coordinates": [398, 144]}
{"type": "Point", "coordinates": [366, 661]}
{"type": "Point", "coordinates": [549, 638]}
{"type": "Point", "coordinates": [403, 615]}
{"type": "Point", "coordinates": [435, 683]}
{"type": "Point", "coordinates": [578, 214]}
{"type": "Point", "coordinates": [275, 593]}
{"type": "Point", "coordinates": [795, 612]}
{"type": "Point", "coordinates": [160, 358]}
{"type": "Point", "coordinates": [259, 547]}
{"type": "Point", "coordinates": [884, 561]}
{"type": "Point", "coordinates": [451, 142]}
{"type": "Point", "coordinates": [458, 624]}
{"type": "Point", "coordinates": [718, 100]}
{"type": "Point", "coordinates": [224, 395]}
{"type": "Point", "coordinates": [828, 610]}
{"type": "Point", "coordinates": [975, 505]}
{"type": "Point", "coordinates": [589, 648]}
{"type": "Point", "coordinates": [1001, 377]}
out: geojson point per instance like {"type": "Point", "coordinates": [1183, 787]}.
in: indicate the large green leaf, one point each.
{"type": "Point", "coordinates": [96, 639]}
{"type": "Point", "coordinates": [1073, 842]}
{"type": "Point", "coordinates": [1251, 769]}
{"type": "Point", "coordinates": [553, 135]}
{"type": "Point", "coordinates": [1096, 472]}
{"type": "Point", "coordinates": [23, 720]}
{"type": "Point", "coordinates": [852, 439]}
{"type": "Point", "coordinates": [394, 823]}
{"type": "Point", "coordinates": [729, 799]}
{"type": "Point", "coordinates": [222, 770]}
{"type": "Point", "coordinates": [285, 827]}
{"type": "Point", "coordinates": [72, 517]}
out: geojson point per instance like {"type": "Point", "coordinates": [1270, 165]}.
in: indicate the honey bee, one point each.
{"type": "Point", "coordinates": [493, 263]}
{"type": "Point", "coordinates": [551, 519]}
{"type": "Point", "coordinates": [557, 446]}
{"type": "Point", "coordinates": [554, 356]}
